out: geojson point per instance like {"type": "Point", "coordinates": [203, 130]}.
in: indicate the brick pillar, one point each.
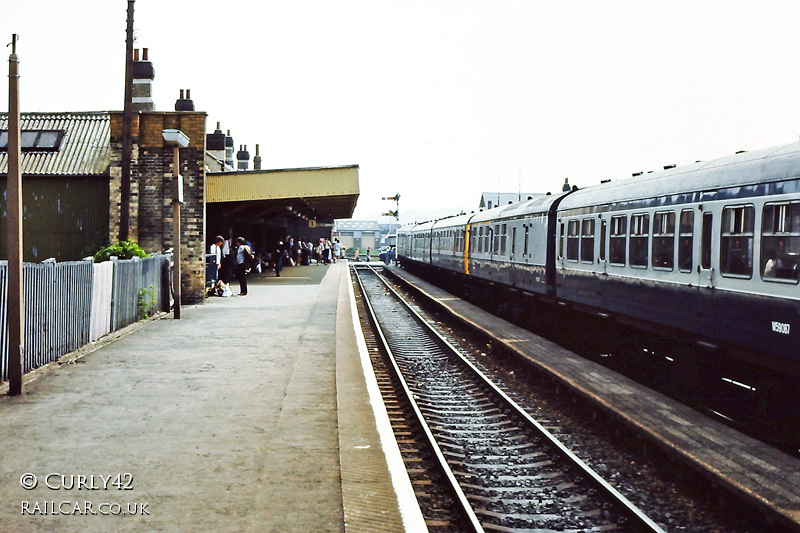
{"type": "Point", "coordinates": [151, 196]}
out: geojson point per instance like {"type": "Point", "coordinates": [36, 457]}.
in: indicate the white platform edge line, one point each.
{"type": "Point", "coordinates": [406, 500]}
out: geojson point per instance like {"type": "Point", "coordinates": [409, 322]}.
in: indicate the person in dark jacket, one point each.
{"type": "Point", "coordinates": [243, 257]}
{"type": "Point", "coordinates": [278, 255]}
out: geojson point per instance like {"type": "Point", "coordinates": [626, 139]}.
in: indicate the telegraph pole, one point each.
{"type": "Point", "coordinates": [16, 310]}
{"type": "Point", "coordinates": [127, 144]}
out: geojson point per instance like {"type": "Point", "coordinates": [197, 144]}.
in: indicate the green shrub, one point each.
{"type": "Point", "coordinates": [147, 301]}
{"type": "Point", "coordinates": [122, 250]}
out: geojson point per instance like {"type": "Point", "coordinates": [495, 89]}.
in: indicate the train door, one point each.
{"type": "Point", "coordinates": [601, 258]}
{"type": "Point", "coordinates": [705, 269]}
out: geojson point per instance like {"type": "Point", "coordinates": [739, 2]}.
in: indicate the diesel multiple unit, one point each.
{"type": "Point", "coordinates": [706, 252]}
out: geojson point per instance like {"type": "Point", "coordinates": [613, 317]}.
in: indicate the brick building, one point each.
{"type": "Point", "coordinates": [151, 189]}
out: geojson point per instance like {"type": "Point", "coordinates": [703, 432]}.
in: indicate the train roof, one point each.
{"type": "Point", "coordinates": [739, 170]}
{"type": "Point", "coordinates": [449, 222]}
{"type": "Point", "coordinates": [540, 204]}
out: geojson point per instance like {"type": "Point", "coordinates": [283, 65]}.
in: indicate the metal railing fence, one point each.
{"type": "Point", "coordinates": [70, 304]}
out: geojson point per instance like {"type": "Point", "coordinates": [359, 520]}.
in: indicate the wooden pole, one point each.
{"type": "Point", "coordinates": [176, 231]}
{"type": "Point", "coordinates": [127, 143]}
{"type": "Point", "coordinates": [16, 311]}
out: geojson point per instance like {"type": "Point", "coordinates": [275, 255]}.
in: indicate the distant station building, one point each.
{"type": "Point", "coordinates": [360, 233]}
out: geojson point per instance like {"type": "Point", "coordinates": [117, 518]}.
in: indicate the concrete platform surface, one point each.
{"type": "Point", "coordinates": [225, 420]}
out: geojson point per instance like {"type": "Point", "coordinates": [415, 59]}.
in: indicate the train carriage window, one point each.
{"type": "Point", "coordinates": [587, 240]}
{"type": "Point", "coordinates": [561, 242]}
{"type": "Point", "coordinates": [705, 256]}
{"type": "Point", "coordinates": [513, 241]}
{"type": "Point", "coordinates": [639, 233]}
{"type": "Point", "coordinates": [686, 240]}
{"type": "Point", "coordinates": [780, 242]}
{"type": "Point", "coordinates": [616, 246]}
{"type": "Point", "coordinates": [525, 251]}
{"type": "Point", "coordinates": [664, 240]}
{"type": "Point", "coordinates": [573, 240]}
{"type": "Point", "coordinates": [496, 239]}
{"type": "Point", "coordinates": [736, 241]}
{"type": "Point", "coordinates": [603, 230]}
{"type": "Point", "coordinates": [503, 239]}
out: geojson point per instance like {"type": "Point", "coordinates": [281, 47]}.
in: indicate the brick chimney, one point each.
{"type": "Point", "coordinates": [215, 145]}
{"type": "Point", "coordinates": [184, 104]}
{"type": "Point", "coordinates": [243, 157]}
{"type": "Point", "coordinates": [257, 160]}
{"type": "Point", "coordinates": [143, 74]}
{"type": "Point", "coordinates": [229, 150]}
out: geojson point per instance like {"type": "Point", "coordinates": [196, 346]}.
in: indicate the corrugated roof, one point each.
{"type": "Point", "coordinates": [85, 149]}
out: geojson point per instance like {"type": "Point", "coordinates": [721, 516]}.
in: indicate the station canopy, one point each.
{"type": "Point", "coordinates": [280, 197]}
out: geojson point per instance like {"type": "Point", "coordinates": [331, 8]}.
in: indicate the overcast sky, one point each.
{"type": "Point", "coordinates": [439, 100]}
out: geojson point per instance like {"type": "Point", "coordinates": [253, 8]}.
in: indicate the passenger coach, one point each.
{"type": "Point", "coordinates": [710, 248]}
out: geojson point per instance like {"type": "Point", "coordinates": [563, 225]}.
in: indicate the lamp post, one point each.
{"type": "Point", "coordinates": [177, 139]}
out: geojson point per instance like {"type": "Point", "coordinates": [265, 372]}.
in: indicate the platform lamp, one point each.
{"type": "Point", "coordinates": [178, 140]}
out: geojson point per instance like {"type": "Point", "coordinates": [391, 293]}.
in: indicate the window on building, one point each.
{"type": "Point", "coordinates": [780, 242]}
{"type": "Point", "coordinates": [664, 240]}
{"type": "Point", "coordinates": [35, 140]}
{"type": "Point", "coordinates": [587, 240]}
{"type": "Point", "coordinates": [639, 235]}
{"type": "Point", "coordinates": [736, 241]}
{"type": "Point", "coordinates": [616, 246]}
{"type": "Point", "coordinates": [573, 240]}
{"type": "Point", "coordinates": [686, 240]}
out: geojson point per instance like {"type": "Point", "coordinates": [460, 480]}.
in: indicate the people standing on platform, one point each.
{"type": "Point", "coordinates": [368, 255]}
{"type": "Point", "coordinates": [216, 250]}
{"type": "Point", "coordinates": [337, 250]}
{"type": "Point", "coordinates": [297, 255]}
{"type": "Point", "coordinates": [288, 256]}
{"type": "Point", "coordinates": [279, 255]}
{"type": "Point", "coordinates": [305, 252]}
{"type": "Point", "coordinates": [243, 257]}
{"type": "Point", "coordinates": [228, 264]}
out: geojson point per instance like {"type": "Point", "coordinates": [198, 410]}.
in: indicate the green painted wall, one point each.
{"type": "Point", "coordinates": [61, 216]}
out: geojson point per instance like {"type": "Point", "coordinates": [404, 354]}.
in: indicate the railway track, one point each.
{"type": "Point", "coordinates": [504, 470]}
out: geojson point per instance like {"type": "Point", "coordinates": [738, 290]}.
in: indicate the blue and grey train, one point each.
{"type": "Point", "coordinates": [708, 253]}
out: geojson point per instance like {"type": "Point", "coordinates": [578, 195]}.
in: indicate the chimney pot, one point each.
{"type": "Point", "coordinates": [217, 124]}
{"type": "Point", "coordinates": [256, 149]}
{"type": "Point", "coordinates": [136, 54]}
{"type": "Point", "coordinates": [188, 92]}
{"type": "Point", "coordinates": [144, 54]}
{"type": "Point", "coordinates": [182, 94]}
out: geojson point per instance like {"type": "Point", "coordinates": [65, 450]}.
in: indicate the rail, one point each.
{"type": "Point", "coordinates": [633, 517]}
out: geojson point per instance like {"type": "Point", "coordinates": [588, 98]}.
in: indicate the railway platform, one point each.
{"type": "Point", "coordinates": [251, 413]}
{"type": "Point", "coordinates": [767, 479]}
